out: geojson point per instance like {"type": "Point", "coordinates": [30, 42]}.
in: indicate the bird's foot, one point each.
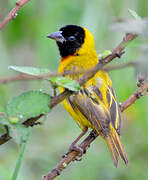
{"type": "Point", "coordinates": [77, 149]}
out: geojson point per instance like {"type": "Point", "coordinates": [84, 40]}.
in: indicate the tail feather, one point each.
{"type": "Point", "coordinates": [112, 149]}
{"type": "Point", "coordinates": [120, 147]}
{"type": "Point", "coordinates": [116, 148]}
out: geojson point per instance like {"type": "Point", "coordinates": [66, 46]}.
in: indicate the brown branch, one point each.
{"type": "Point", "coordinates": [13, 13]}
{"type": "Point", "coordinates": [117, 52]}
{"type": "Point", "coordinates": [92, 136]}
{"type": "Point", "coordinates": [25, 77]}
{"type": "Point", "coordinates": [20, 77]}
{"type": "Point", "coordinates": [136, 95]}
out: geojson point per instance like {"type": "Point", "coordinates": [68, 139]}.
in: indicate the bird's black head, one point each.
{"type": "Point", "coordinates": [69, 39]}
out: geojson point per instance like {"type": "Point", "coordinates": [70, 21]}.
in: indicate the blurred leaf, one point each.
{"type": "Point", "coordinates": [134, 14]}
{"type": "Point", "coordinates": [136, 26]}
{"type": "Point", "coordinates": [64, 82]}
{"type": "Point", "coordinates": [105, 53]}
{"type": "Point", "coordinates": [30, 70]}
{"type": "Point", "coordinates": [28, 105]}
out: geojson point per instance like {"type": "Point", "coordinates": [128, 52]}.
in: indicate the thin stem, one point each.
{"type": "Point", "coordinates": [21, 154]}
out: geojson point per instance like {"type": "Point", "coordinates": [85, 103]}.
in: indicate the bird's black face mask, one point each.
{"type": "Point", "coordinates": [69, 39]}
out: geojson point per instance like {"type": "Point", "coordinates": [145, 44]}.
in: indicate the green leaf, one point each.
{"type": "Point", "coordinates": [136, 26]}
{"type": "Point", "coordinates": [28, 105]}
{"type": "Point", "coordinates": [134, 14]}
{"type": "Point", "coordinates": [30, 70]}
{"type": "Point", "coordinates": [64, 82]}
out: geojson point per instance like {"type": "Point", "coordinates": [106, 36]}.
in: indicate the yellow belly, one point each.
{"type": "Point", "coordinates": [77, 116]}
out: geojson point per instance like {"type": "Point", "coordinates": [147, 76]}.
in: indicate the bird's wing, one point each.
{"type": "Point", "coordinates": [98, 104]}
{"type": "Point", "coordinates": [114, 109]}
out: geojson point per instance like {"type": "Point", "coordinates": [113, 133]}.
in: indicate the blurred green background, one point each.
{"type": "Point", "coordinates": [23, 42]}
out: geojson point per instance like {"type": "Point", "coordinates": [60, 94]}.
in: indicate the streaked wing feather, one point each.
{"type": "Point", "coordinates": [89, 101]}
{"type": "Point", "coordinates": [92, 109]}
{"type": "Point", "coordinates": [115, 112]}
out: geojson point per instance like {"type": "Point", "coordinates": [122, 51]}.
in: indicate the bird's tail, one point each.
{"type": "Point", "coordinates": [116, 148]}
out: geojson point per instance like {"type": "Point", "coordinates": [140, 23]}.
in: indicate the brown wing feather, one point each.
{"type": "Point", "coordinates": [89, 101]}
{"type": "Point", "coordinates": [92, 109]}
{"type": "Point", "coordinates": [115, 113]}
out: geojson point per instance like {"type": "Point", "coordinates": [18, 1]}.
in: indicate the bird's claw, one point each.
{"type": "Point", "coordinates": [77, 149]}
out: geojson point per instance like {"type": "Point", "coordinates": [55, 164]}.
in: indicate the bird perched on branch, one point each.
{"type": "Point", "coordinates": [94, 105]}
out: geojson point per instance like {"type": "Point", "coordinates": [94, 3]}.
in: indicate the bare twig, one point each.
{"type": "Point", "coordinates": [24, 77]}
{"type": "Point", "coordinates": [117, 52]}
{"type": "Point", "coordinates": [13, 13]}
{"type": "Point", "coordinates": [136, 95]}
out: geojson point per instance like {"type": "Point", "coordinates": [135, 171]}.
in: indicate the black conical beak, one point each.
{"type": "Point", "coordinates": [57, 36]}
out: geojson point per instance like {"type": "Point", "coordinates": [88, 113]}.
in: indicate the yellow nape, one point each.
{"type": "Point", "coordinates": [88, 45]}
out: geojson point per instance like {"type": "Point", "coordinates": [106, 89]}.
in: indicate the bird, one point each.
{"type": "Point", "coordinates": [95, 105]}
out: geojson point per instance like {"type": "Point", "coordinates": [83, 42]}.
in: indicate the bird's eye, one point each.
{"type": "Point", "coordinates": [71, 38]}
